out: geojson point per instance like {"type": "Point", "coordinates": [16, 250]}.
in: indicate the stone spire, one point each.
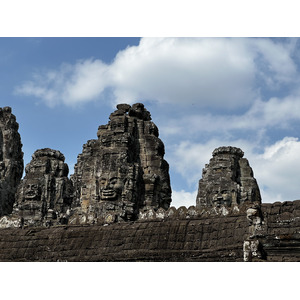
{"type": "Point", "coordinates": [45, 194]}
{"type": "Point", "coordinates": [11, 159]}
{"type": "Point", "coordinates": [123, 171]}
{"type": "Point", "coordinates": [227, 180]}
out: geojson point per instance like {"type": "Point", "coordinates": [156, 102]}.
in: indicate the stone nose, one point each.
{"type": "Point", "coordinates": [110, 185]}
{"type": "Point", "coordinates": [107, 185]}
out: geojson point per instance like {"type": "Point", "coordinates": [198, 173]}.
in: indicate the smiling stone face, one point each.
{"type": "Point", "coordinates": [110, 186]}
{"type": "Point", "coordinates": [223, 196]}
{"type": "Point", "coordinates": [32, 191]}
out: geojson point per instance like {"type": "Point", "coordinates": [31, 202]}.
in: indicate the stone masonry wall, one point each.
{"type": "Point", "coordinates": [280, 232]}
{"type": "Point", "coordinates": [211, 238]}
{"type": "Point", "coordinates": [270, 232]}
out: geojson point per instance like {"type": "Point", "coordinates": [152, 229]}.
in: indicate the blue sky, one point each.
{"type": "Point", "coordinates": [202, 93]}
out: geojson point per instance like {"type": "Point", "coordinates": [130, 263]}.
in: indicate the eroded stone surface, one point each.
{"type": "Point", "coordinates": [11, 159]}
{"type": "Point", "coordinates": [227, 180]}
{"type": "Point", "coordinates": [123, 172]}
{"type": "Point", "coordinates": [45, 194]}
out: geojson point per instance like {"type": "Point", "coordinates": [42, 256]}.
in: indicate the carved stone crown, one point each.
{"type": "Point", "coordinates": [228, 150]}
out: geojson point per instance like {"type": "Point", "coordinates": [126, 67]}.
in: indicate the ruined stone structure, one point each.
{"type": "Point", "coordinates": [269, 234]}
{"type": "Point", "coordinates": [227, 180]}
{"type": "Point", "coordinates": [11, 160]}
{"type": "Point", "coordinates": [45, 194]}
{"type": "Point", "coordinates": [122, 172]}
{"type": "Point", "coordinates": [116, 206]}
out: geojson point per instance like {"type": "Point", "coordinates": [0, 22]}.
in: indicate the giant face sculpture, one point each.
{"type": "Point", "coordinates": [45, 191]}
{"type": "Point", "coordinates": [110, 186]}
{"type": "Point", "coordinates": [222, 196]}
{"type": "Point", "coordinates": [32, 191]}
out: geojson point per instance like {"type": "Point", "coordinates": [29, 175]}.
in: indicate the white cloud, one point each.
{"type": "Point", "coordinates": [88, 79]}
{"type": "Point", "coordinates": [70, 85]}
{"type": "Point", "coordinates": [274, 112]}
{"type": "Point", "coordinates": [276, 61]}
{"type": "Point", "coordinates": [262, 115]}
{"type": "Point", "coordinates": [277, 168]}
{"type": "Point", "coordinates": [183, 198]}
{"type": "Point", "coordinates": [212, 72]}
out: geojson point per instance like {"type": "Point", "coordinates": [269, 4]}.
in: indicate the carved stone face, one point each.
{"type": "Point", "coordinates": [111, 186]}
{"type": "Point", "coordinates": [222, 197]}
{"type": "Point", "coordinates": [32, 191]}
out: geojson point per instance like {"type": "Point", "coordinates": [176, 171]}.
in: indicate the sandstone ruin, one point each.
{"type": "Point", "coordinates": [116, 205]}
{"type": "Point", "coordinates": [45, 194]}
{"type": "Point", "coordinates": [227, 180]}
{"type": "Point", "coordinates": [11, 160]}
{"type": "Point", "coordinates": [123, 172]}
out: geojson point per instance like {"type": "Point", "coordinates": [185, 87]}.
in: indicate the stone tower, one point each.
{"type": "Point", "coordinates": [11, 160]}
{"type": "Point", "coordinates": [45, 194]}
{"type": "Point", "coordinates": [123, 171]}
{"type": "Point", "coordinates": [227, 180]}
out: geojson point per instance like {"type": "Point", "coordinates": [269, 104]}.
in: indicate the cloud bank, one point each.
{"type": "Point", "coordinates": [212, 72]}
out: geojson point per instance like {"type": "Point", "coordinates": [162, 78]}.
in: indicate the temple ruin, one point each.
{"type": "Point", "coordinates": [45, 194]}
{"type": "Point", "coordinates": [227, 180]}
{"type": "Point", "coordinates": [123, 172]}
{"type": "Point", "coordinates": [117, 204]}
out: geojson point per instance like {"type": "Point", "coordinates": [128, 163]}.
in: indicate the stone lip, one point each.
{"type": "Point", "coordinates": [228, 150]}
